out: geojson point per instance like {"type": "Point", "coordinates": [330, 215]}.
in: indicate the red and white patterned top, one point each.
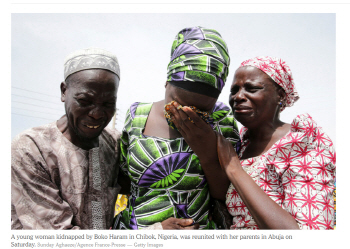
{"type": "Point", "coordinates": [297, 172]}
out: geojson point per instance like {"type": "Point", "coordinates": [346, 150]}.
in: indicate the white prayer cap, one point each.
{"type": "Point", "coordinates": [91, 58]}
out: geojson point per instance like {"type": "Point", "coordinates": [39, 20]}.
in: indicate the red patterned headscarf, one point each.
{"type": "Point", "coordinates": [279, 72]}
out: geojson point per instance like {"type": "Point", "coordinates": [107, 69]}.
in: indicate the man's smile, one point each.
{"type": "Point", "coordinates": [92, 126]}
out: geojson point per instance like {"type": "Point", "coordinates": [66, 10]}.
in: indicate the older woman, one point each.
{"type": "Point", "coordinates": [283, 176]}
{"type": "Point", "coordinates": [169, 183]}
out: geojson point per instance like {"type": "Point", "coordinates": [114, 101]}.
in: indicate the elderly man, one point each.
{"type": "Point", "coordinates": [64, 173]}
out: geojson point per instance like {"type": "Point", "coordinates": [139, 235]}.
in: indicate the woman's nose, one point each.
{"type": "Point", "coordinates": [239, 96]}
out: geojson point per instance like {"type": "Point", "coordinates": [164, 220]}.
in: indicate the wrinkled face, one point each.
{"type": "Point", "coordinates": [254, 97]}
{"type": "Point", "coordinates": [187, 98]}
{"type": "Point", "coordinates": [90, 102]}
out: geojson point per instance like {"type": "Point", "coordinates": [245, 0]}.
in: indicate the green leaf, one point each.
{"type": "Point", "coordinates": [172, 177]}
{"type": "Point", "coordinates": [179, 170]}
{"type": "Point", "coordinates": [174, 174]}
{"type": "Point", "coordinates": [154, 184]}
{"type": "Point", "coordinates": [219, 114]}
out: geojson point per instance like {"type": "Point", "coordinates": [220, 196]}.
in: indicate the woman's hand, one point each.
{"type": "Point", "coordinates": [198, 134]}
{"type": "Point", "coordinates": [202, 139]}
{"type": "Point", "coordinates": [179, 224]}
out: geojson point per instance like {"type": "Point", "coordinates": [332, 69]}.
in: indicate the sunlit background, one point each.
{"type": "Point", "coordinates": [142, 43]}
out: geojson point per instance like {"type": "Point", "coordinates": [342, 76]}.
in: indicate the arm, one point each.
{"type": "Point", "coordinates": [202, 140]}
{"type": "Point", "coordinates": [266, 213]}
{"type": "Point", "coordinates": [35, 199]}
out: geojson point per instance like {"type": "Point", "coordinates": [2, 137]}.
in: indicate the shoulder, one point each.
{"type": "Point", "coordinates": [310, 139]}
{"type": "Point", "coordinates": [221, 112]}
{"type": "Point", "coordinates": [111, 135]}
{"type": "Point", "coordinates": [303, 122]}
{"type": "Point", "coordinates": [224, 122]}
{"type": "Point", "coordinates": [242, 133]}
{"type": "Point", "coordinates": [35, 135]}
{"type": "Point", "coordinates": [139, 108]}
{"type": "Point", "coordinates": [220, 106]}
{"type": "Point", "coordinates": [30, 148]}
{"type": "Point", "coordinates": [306, 128]}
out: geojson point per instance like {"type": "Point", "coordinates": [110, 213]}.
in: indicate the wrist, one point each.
{"type": "Point", "coordinates": [234, 168]}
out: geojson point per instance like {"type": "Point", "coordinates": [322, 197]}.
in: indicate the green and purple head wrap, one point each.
{"type": "Point", "coordinates": [199, 61]}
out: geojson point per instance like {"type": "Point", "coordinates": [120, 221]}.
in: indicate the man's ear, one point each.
{"type": "Point", "coordinates": [166, 83]}
{"type": "Point", "coordinates": [63, 91]}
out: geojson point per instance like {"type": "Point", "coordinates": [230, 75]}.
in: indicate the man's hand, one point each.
{"type": "Point", "coordinates": [179, 224]}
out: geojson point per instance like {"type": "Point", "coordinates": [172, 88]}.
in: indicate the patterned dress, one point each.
{"type": "Point", "coordinates": [297, 172]}
{"type": "Point", "coordinates": [57, 185]}
{"type": "Point", "coordinates": [167, 179]}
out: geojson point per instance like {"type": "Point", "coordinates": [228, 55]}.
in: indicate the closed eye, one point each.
{"type": "Point", "coordinates": [83, 102]}
{"type": "Point", "coordinates": [110, 104]}
{"type": "Point", "coordinates": [234, 90]}
{"type": "Point", "coordinates": [253, 89]}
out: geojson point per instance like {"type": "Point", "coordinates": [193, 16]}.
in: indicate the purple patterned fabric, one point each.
{"type": "Point", "coordinates": [219, 106]}
{"type": "Point", "coordinates": [164, 167]}
{"type": "Point", "coordinates": [201, 55]}
{"type": "Point", "coordinates": [193, 33]}
{"type": "Point", "coordinates": [221, 83]}
{"type": "Point", "coordinates": [179, 76]}
{"type": "Point", "coordinates": [185, 49]}
{"type": "Point", "coordinates": [133, 108]}
{"type": "Point", "coordinates": [181, 210]}
{"type": "Point", "coordinates": [133, 223]}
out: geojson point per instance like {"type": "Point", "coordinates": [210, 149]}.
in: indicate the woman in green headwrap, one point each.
{"type": "Point", "coordinates": [169, 184]}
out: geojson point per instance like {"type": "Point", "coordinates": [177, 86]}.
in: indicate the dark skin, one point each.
{"type": "Point", "coordinates": [89, 97]}
{"type": "Point", "coordinates": [157, 126]}
{"type": "Point", "coordinates": [255, 100]}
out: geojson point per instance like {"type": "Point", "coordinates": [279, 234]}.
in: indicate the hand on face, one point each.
{"type": "Point", "coordinates": [198, 134]}
{"type": "Point", "coordinates": [179, 224]}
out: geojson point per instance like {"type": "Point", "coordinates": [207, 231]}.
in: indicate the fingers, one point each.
{"type": "Point", "coordinates": [185, 222]}
{"type": "Point", "coordinates": [185, 118]}
{"type": "Point", "coordinates": [179, 224]}
{"type": "Point", "coordinates": [180, 119]}
{"type": "Point", "coordinates": [193, 116]}
{"type": "Point", "coordinates": [193, 227]}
